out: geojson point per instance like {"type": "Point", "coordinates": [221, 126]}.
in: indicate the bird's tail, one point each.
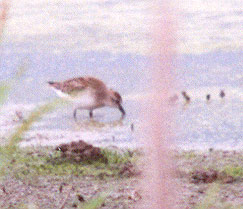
{"type": "Point", "coordinates": [54, 84]}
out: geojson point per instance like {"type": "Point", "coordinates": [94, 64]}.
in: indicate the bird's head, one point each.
{"type": "Point", "coordinates": [115, 100]}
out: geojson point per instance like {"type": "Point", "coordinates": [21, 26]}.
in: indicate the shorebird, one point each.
{"type": "Point", "coordinates": [222, 94]}
{"type": "Point", "coordinates": [208, 97]}
{"type": "Point", "coordinates": [88, 93]}
{"type": "Point", "coordinates": [173, 99]}
{"type": "Point", "coordinates": [187, 98]}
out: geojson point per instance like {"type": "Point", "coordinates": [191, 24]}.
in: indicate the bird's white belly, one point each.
{"type": "Point", "coordinates": [61, 94]}
{"type": "Point", "coordinates": [83, 100]}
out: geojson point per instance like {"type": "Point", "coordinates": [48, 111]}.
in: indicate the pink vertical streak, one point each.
{"type": "Point", "coordinates": [158, 187]}
{"type": "Point", "coordinates": [3, 15]}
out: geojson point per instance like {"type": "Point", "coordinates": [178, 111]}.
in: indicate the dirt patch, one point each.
{"type": "Point", "coordinates": [51, 192]}
{"type": "Point", "coordinates": [81, 151]}
{"type": "Point", "coordinates": [210, 176]}
{"type": "Point", "coordinates": [121, 191]}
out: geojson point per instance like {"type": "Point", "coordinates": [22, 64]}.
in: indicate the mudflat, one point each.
{"type": "Point", "coordinates": [204, 179]}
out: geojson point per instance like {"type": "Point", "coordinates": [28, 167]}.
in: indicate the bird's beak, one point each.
{"type": "Point", "coordinates": [122, 111]}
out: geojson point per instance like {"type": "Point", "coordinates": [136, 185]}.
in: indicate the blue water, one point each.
{"type": "Point", "coordinates": [125, 72]}
{"type": "Point", "coordinates": [201, 124]}
{"type": "Point", "coordinates": [217, 68]}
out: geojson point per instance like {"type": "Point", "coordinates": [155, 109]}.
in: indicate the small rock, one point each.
{"type": "Point", "coordinates": [4, 189]}
{"type": "Point", "coordinates": [228, 180]}
{"type": "Point", "coordinates": [204, 176]}
{"type": "Point", "coordinates": [212, 175]}
{"type": "Point", "coordinates": [74, 205]}
{"type": "Point", "coordinates": [200, 190]}
{"type": "Point", "coordinates": [80, 198]}
{"type": "Point", "coordinates": [129, 170]}
{"type": "Point", "coordinates": [60, 188]}
{"type": "Point", "coordinates": [210, 149]}
{"type": "Point", "coordinates": [135, 196]}
{"type": "Point", "coordinates": [225, 178]}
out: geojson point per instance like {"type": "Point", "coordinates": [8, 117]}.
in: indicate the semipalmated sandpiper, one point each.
{"type": "Point", "coordinates": [208, 97]}
{"type": "Point", "coordinates": [88, 93]}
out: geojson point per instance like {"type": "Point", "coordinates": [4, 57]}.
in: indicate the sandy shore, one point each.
{"type": "Point", "coordinates": [226, 192]}
{"type": "Point", "coordinates": [54, 191]}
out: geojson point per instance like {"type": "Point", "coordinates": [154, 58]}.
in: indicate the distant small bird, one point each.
{"type": "Point", "coordinates": [173, 99]}
{"type": "Point", "coordinates": [88, 93]}
{"type": "Point", "coordinates": [187, 98]}
{"type": "Point", "coordinates": [222, 94]}
{"type": "Point", "coordinates": [19, 116]}
{"type": "Point", "coordinates": [208, 97]}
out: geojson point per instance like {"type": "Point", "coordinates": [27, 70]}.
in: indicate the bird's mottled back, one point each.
{"type": "Point", "coordinates": [78, 84]}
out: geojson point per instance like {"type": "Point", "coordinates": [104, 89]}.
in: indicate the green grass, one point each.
{"type": "Point", "coordinates": [234, 171]}
{"type": "Point", "coordinates": [94, 203]}
{"type": "Point", "coordinates": [34, 116]}
{"type": "Point", "coordinates": [9, 153]}
{"type": "Point", "coordinates": [190, 155]}
{"type": "Point", "coordinates": [210, 198]}
{"type": "Point", "coordinates": [26, 163]}
{"type": "Point", "coordinates": [5, 87]}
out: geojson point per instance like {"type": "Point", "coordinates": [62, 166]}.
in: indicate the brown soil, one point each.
{"type": "Point", "coordinates": [69, 192]}
{"type": "Point", "coordinates": [81, 151]}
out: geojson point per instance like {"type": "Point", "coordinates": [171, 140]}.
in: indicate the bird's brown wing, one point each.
{"type": "Point", "coordinates": [70, 86]}
{"type": "Point", "coordinates": [97, 86]}
{"type": "Point", "coordinates": [75, 85]}
{"type": "Point", "coordinates": [95, 83]}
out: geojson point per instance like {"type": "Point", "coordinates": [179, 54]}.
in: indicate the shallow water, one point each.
{"type": "Point", "coordinates": [211, 124]}
{"type": "Point", "coordinates": [201, 124]}
{"type": "Point", "coordinates": [114, 50]}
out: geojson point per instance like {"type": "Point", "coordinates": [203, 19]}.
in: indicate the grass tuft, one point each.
{"type": "Point", "coordinates": [26, 125]}
{"type": "Point", "coordinates": [26, 163]}
{"type": "Point", "coordinates": [210, 198]}
{"type": "Point", "coordinates": [94, 203]}
{"type": "Point", "coordinates": [234, 171]}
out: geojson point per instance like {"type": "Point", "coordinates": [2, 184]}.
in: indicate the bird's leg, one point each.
{"type": "Point", "coordinates": [122, 111]}
{"type": "Point", "coordinates": [74, 114]}
{"type": "Point", "coordinates": [91, 113]}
